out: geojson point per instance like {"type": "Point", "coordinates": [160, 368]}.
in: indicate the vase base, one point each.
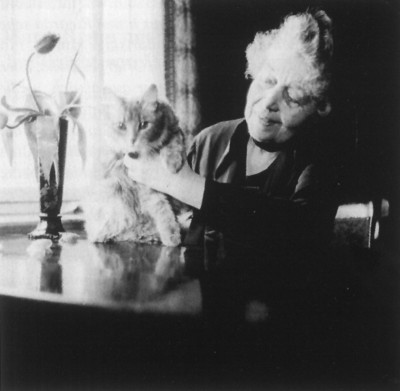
{"type": "Point", "coordinates": [48, 228]}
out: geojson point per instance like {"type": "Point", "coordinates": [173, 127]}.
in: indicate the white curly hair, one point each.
{"type": "Point", "coordinates": [309, 36]}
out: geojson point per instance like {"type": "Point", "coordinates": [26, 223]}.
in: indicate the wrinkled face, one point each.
{"type": "Point", "coordinates": [279, 100]}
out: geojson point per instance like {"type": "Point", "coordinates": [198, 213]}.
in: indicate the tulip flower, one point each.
{"type": "Point", "coordinates": [43, 46]}
{"type": "Point", "coordinates": [46, 44]}
{"type": "Point", "coordinates": [42, 124]}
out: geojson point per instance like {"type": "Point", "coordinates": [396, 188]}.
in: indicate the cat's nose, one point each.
{"type": "Point", "coordinates": [133, 155]}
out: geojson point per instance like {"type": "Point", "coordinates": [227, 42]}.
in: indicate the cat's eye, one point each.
{"type": "Point", "coordinates": [121, 126]}
{"type": "Point", "coordinates": [142, 125]}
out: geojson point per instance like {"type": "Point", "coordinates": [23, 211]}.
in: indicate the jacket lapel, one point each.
{"type": "Point", "coordinates": [231, 165]}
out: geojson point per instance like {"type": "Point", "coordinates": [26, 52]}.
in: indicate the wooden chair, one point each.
{"type": "Point", "coordinates": [358, 224]}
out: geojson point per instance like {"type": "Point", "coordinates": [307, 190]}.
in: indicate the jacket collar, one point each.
{"type": "Point", "coordinates": [231, 167]}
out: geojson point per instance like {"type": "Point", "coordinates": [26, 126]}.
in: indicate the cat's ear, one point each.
{"type": "Point", "coordinates": [151, 94]}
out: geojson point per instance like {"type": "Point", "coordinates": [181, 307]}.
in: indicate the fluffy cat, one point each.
{"type": "Point", "coordinates": [119, 208]}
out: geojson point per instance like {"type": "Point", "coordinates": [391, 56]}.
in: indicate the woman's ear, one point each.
{"type": "Point", "coordinates": [324, 108]}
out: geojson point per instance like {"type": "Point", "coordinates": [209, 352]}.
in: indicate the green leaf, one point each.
{"type": "Point", "coordinates": [17, 109]}
{"type": "Point", "coordinates": [8, 141]}
{"type": "Point", "coordinates": [22, 118]}
{"type": "Point", "coordinates": [82, 142]}
{"type": "Point", "coordinates": [3, 119]}
{"type": "Point", "coordinates": [33, 145]}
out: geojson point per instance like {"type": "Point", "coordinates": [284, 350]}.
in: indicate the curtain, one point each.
{"type": "Point", "coordinates": [180, 65]}
{"type": "Point", "coordinates": [121, 46]}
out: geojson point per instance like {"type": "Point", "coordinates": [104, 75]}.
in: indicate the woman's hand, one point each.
{"type": "Point", "coordinates": [184, 185]}
{"type": "Point", "coordinates": [150, 172]}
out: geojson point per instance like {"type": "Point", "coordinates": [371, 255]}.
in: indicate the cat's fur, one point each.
{"type": "Point", "coordinates": [119, 208]}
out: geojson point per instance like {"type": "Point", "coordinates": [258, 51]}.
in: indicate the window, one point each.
{"type": "Point", "coordinates": [121, 46]}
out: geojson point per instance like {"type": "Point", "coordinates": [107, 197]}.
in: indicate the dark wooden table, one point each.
{"type": "Point", "coordinates": [120, 276]}
{"type": "Point", "coordinates": [78, 315]}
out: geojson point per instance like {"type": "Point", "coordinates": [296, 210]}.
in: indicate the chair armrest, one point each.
{"type": "Point", "coordinates": [358, 223]}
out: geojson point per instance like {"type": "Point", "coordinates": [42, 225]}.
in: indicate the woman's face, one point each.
{"type": "Point", "coordinates": [277, 102]}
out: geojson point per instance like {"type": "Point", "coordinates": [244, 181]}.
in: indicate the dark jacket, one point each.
{"type": "Point", "coordinates": [293, 210]}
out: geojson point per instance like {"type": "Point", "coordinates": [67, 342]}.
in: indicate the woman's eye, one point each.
{"type": "Point", "coordinates": [121, 126]}
{"type": "Point", "coordinates": [292, 98]}
{"type": "Point", "coordinates": [143, 125]}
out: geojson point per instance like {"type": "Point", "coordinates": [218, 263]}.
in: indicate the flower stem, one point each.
{"type": "Point", "coordinates": [29, 82]}
{"type": "Point", "coordinates": [70, 70]}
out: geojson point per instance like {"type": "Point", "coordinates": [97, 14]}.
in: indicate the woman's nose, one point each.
{"type": "Point", "coordinates": [273, 98]}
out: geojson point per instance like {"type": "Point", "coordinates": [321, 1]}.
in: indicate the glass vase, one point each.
{"type": "Point", "coordinates": [51, 189]}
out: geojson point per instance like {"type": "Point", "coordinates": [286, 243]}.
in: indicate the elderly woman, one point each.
{"type": "Point", "coordinates": [257, 188]}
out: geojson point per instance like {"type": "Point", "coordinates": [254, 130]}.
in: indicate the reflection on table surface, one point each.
{"type": "Point", "coordinates": [239, 328]}
{"type": "Point", "coordinates": [127, 275]}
